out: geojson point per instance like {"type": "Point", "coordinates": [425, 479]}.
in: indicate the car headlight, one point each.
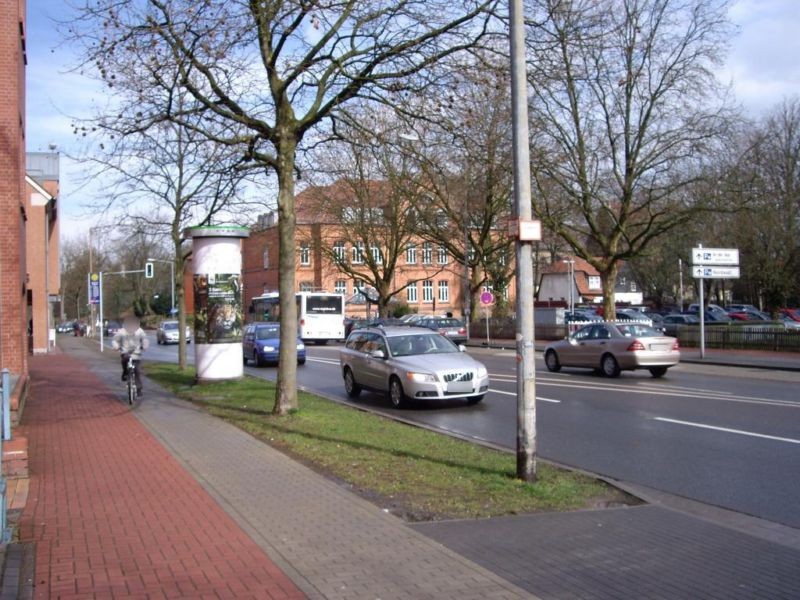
{"type": "Point", "coordinates": [301, 346]}
{"type": "Point", "coordinates": [421, 377]}
{"type": "Point", "coordinates": [268, 348]}
{"type": "Point", "coordinates": [482, 372]}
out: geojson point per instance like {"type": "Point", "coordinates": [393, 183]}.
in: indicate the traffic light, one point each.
{"type": "Point", "coordinates": [148, 270]}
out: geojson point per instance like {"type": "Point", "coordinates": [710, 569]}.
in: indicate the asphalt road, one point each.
{"type": "Point", "coordinates": [721, 435]}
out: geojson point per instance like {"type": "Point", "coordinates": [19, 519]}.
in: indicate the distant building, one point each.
{"type": "Point", "coordinates": [554, 284]}
{"type": "Point", "coordinates": [42, 248]}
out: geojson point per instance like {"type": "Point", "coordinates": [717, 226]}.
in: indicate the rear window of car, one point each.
{"type": "Point", "coordinates": [169, 326]}
{"type": "Point", "coordinates": [267, 333]}
{"type": "Point", "coordinates": [636, 330]}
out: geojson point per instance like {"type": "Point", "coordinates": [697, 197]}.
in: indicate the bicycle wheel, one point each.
{"type": "Point", "coordinates": [131, 388]}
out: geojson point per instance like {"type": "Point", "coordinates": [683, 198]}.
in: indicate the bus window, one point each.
{"type": "Point", "coordinates": [324, 305]}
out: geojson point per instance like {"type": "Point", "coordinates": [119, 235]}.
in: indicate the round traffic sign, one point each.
{"type": "Point", "coordinates": [487, 298]}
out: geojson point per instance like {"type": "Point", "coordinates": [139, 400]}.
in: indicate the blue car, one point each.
{"type": "Point", "coordinates": [261, 343]}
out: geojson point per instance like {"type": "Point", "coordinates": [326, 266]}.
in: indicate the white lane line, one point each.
{"type": "Point", "coordinates": [326, 361]}
{"type": "Point", "coordinates": [554, 401]}
{"type": "Point", "coordinates": [727, 430]}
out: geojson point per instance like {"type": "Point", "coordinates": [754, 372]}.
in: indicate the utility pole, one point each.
{"type": "Point", "coordinates": [526, 375]}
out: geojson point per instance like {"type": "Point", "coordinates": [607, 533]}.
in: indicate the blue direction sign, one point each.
{"type": "Point", "coordinates": [94, 288]}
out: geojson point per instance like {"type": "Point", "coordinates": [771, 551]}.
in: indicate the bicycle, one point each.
{"type": "Point", "coordinates": [131, 380]}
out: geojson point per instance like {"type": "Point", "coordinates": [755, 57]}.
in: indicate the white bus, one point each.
{"type": "Point", "coordinates": [320, 315]}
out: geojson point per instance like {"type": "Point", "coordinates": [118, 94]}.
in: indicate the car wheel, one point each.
{"type": "Point", "coordinates": [301, 361]}
{"type": "Point", "coordinates": [609, 365]}
{"type": "Point", "coordinates": [396, 394]}
{"type": "Point", "coordinates": [658, 371]}
{"type": "Point", "coordinates": [551, 361]}
{"type": "Point", "coordinates": [257, 359]}
{"type": "Point", "coordinates": [475, 399]}
{"type": "Point", "coordinates": [350, 385]}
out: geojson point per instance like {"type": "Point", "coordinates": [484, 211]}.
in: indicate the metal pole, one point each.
{"type": "Point", "coordinates": [526, 376]}
{"type": "Point", "coordinates": [680, 282]}
{"type": "Point", "coordinates": [172, 287]}
{"type": "Point", "coordinates": [6, 387]}
{"type": "Point", "coordinates": [90, 329]}
{"type": "Point", "coordinates": [702, 315]}
{"type": "Point", "coordinates": [101, 311]}
{"type": "Point", "coordinates": [467, 297]}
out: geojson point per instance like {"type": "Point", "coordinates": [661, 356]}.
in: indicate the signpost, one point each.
{"type": "Point", "coordinates": [487, 299]}
{"type": "Point", "coordinates": [94, 288]}
{"type": "Point", "coordinates": [712, 263]}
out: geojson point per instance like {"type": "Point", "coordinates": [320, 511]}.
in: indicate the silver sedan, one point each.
{"type": "Point", "coordinates": [410, 363]}
{"type": "Point", "coordinates": [614, 347]}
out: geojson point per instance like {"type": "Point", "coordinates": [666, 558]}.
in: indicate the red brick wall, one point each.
{"type": "Point", "coordinates": [13, 329]}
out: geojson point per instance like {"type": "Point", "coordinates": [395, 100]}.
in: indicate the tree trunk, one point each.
{"type": "Point", "coordinates": [180, 302]}
{"type": "Point", "coordinates": [286, 392]}
{"type": "Point", "coordinates": [608, 278]}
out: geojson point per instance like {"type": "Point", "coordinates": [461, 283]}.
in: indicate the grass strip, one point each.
{"type": "Point", "coordinates": [413, 472]}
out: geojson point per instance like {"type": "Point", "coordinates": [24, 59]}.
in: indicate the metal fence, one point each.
{"type": "Point", "coordinates": [733, 337]}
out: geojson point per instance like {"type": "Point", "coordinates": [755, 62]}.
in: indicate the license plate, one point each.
{"type": "Point", "coordinates": [660, 347]}
{"type": "Point", "coordinates": [459, 387]}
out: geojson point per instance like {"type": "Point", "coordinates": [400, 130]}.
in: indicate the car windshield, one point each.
{"type": "Point", "coordinates": [420, 343]}
{"type": "Point", "coordinates": [168, 326]}
{"type": "Point", "coordinates": [636, 330]}
{"type": "Point", "coordinates": [267, 333]}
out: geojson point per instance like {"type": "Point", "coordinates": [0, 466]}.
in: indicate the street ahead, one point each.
{"type": "Point", "coordinates": [721, 435]}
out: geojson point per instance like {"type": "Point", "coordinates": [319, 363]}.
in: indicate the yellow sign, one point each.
{"type": "Point", "coordinates": [95, 277]}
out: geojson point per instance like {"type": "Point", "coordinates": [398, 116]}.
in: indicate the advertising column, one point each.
{"type": "Point", "coordinates": [218, 318]}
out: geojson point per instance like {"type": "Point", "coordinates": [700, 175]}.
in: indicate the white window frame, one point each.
{"type": "Point", "coordinates": [441, 255]}
{"type": "Point", "coordinates": [306, 286]}
{"type": "Point", "coordinates": [377, 255]}
{"type": "Point", "coordinates": [427, 291]}
{"type": "Point", "coordinates": [427, 253]}
{"type": "Point", "coordinates": [265, 257]}
{"type": "Point", "coordinates": [411, 293]}
{"type": "Point", "coordinates": [358, 253]}
{"type": "Point", "coordinates": [305, 254]}
{"type": "Point", "coordinates": [595, 282]}
{"type": "Point", "coordinates": [411, 254]}
{"type": "Point", "coordinates": [339, 251]}
{"type": "Point", "coordinates": [340, 286]}
{"type": "Point", "coordinates": [444, 290]}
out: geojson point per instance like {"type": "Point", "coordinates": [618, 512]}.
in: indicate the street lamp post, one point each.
{"type": "Point", "coordinates": [571, 275]}
{"type": "Point", "coordinates": [171, 281]}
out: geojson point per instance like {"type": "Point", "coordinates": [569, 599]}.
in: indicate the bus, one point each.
{"type": "Point", "coordinates": [320, 315]}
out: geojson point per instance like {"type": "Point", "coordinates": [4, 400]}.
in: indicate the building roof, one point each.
{"type": "Point", "coordinates": [583, 270]}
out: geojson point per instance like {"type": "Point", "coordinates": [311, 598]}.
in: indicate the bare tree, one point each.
{"type": "Point", "coordinates": [625, 109]}
{"type": "Point", "coordinates": [370, 211]}
{"type": "Point", "coordinates": [271, 71]}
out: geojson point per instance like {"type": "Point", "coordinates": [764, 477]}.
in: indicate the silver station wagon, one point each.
{"type": "Point", "coordinates": [410, 363]}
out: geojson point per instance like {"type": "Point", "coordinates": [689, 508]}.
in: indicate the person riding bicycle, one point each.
{"type": "Point", "coordinates": [131, 341]}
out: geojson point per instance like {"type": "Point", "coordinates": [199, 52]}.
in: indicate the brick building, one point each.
{"type": "Point", "coordinates": [13, 209]}
{"type": "Point", "coordinates": [433, 280]}
{"type": "Point", "coordinates": [42, 248]}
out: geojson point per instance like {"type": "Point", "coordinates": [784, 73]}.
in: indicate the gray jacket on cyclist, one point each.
{"type": "Point", "coordinates": [130, 343]}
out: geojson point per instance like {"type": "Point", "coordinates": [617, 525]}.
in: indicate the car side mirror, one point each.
{"type": "Point", "coordinates": [377, 354]}
{"type": "Point", "coordinates": [462, 348]}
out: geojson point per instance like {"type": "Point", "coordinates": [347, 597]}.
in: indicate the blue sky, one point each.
{"type": "Point", "coordinates": [762, 67]}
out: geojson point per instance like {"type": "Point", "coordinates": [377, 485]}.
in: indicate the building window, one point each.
{"type": "Point", "coordinates": [306, 286]}
{"type": "Point", "coordinates": [358, 253]}
{"type": "Point", "coordinates": [444, 291]}
{"type": "Point", "coordinates": [340, 287]}
{"type": "Point", "coordinates": [377, 255]}
{"type": "Point", "coordinates": [427, 253]}
{"type": "Point", "coordinates": [442, 255]}
{"type": "Point", "coordinates": [411, 254]}
{"type": "Point", "coordinates": [411, 292]}
{"type": "Point", "coordinates": [471, 254]}
{"type": "Point", "coordinates": [427, 291]}
{"type": "Point", "coordinates": [633, 286]}
{"type": "Point", "coordinates": [441, 219]}
{"type": "Point", "coordinates": [305, 254]}
{"type": "Point", "coordinates": [594, 282]}
{"type": "Point", "coordinates": [265, 257]}
{"type": "Point", "coordinates": [339, 252]}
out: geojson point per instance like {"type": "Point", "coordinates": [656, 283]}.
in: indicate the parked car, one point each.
{"type": "Point", "coordinates": [789, 323]}
{"type": "Point", "coordinates": [671, 323]}
{"type": "Point", "coordinates": [749, 315]}
{"type": "Point", "coordinates": [630, 314]}
{"type": "Point", "coordinates": [611, 348]}
{"type": "Point", "coordinates": [735, 308]}
{"type": "Point", "coordinates": [111, 328]}
{"type": "Point", "coordinates": [792, 313]}
{"type": "Point", "coordinates": [713, 309]}
{"type": "Point", "coordinates": [452, 329]}
{"type": "Point", "coordinates": [579, 316]}
{"type": "Point", "coordinates": [261, 343]}
{"type": "Point", "coordinates": [65, 327]}
{"type": "Point", "coordinates": [410, 362]}
{"type": "Point", "coordinates": [167, 333]}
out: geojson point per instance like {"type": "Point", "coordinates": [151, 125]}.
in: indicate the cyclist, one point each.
{"type": "Point", "coordinates": [131, 340]}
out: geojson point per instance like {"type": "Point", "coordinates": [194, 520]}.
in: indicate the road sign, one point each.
{"type": "Point", "coordinates": [487, 298]}
{"type": "Point", "coordinates": [94, 288]}
{"type": "Point", "coordinates": [715, 256]}
{"type": "Point", "coordinates": [703, 272]}
{"type": "Point", "coordinates": [148, 270]}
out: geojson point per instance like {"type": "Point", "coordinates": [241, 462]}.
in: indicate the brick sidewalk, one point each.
{"type": "Point", "coordinates": [114, 515]}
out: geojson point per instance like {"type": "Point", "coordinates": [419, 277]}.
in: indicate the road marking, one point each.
{"type": "Point", "coordinates": [326, 361]}
{"type": "Point", "coordinates": [727, 430]}
{"type": "Point", "coordinates": [553, 400]}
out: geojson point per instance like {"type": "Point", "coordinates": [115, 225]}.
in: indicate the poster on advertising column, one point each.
{"type": "Point", "coordinates": [218, 308]}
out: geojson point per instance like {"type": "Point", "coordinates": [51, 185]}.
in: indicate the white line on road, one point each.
{"type": "Point", "coordinates": [554, 401]}
{"type": "Point", "coordinates": [727, 430]}
{"type": "Point", "coordinates": [327, 361]}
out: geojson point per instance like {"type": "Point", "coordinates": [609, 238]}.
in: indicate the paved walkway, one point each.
{"type": "Point", "coordinates": [113, 515]}
{"type": "Point", "coordinates": [125, 522]}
